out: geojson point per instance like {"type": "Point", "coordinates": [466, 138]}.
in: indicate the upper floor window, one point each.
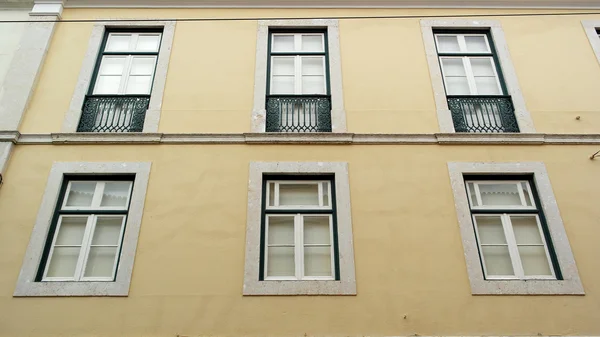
{"type": "Point", "coordinates": [120, 92]}
{"type": "Point", "coordinates": [298, 86]}
{"type": "Point", "coordinates": [513, 239]}
{"type": "Point", "coordinates": [299, 231]}
{"type": "Point", "coordinates": [474, 84]}
{"type": "Point", "coordinates": [85, 239]}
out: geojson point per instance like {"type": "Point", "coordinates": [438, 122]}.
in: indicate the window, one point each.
{"type": "Point", "coordinates": [510, 230]}
{"type": "Point", "coordinates": [512, 233]}
{"type": "Point", "coordinates": [475, 85]}
{"type": "Point", "coordinates": [87, 228]}
{"type": "Point", "coordinates": [298, 87]}
{"type": "Point", "coordinates": [299, 231]}
{"type": "Point", "coordinates": [120, 92]}
{"type": "Point", "coordinates": [469, 68]}
{"type": "Point", "coordinates": [88, 232]}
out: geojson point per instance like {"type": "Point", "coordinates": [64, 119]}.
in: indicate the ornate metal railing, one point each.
{"type": "Point", "coordinates": [298, 113]}
{"type": "Point", "coordinates": [483, 114]}
{"type": "Point", "coordinates": [103, 113]}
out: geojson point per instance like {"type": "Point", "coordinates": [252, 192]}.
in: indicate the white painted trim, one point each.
{"type": "Point", "coordinates": [571, 285]}
{"type": "Point", "coordinates": [347, 283]}
{"type": "Point", "coordinates": [26, 285]}
{"type": "Point", "coordinates": [538, 4]}
{"type": "Point", "coordinates": [510, 76]}
{"type": "Point", "coordinates": [338, 113]}
{"type": "Point", "coordinates": [89, 62]}
{"type": "Point", "coordinates": [24, 70]}
{"type": "Point", "coordinates": [589, 27]}
{"type": "Point", "coordinates": [298, 138]}
{"type": "Point", "coordinates": [48, 7]}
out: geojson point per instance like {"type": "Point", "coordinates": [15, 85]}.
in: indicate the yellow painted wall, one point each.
{"type": "Point", "coordinates": [387, 88]}
{"type": "Point", "coordinates": [189, 265]}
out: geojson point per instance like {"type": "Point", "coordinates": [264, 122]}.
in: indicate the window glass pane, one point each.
{"type": "Point", "coordinates": [482, 67]}
{"type": "Point", "coordinates": [313, 85]}
{"type": "Point", "coordinates": [487, 86]}
{"type": "Point", "coordinates": [317, 261]}
{"type": "Point", "coordinates": [528, 199]}
{"type": "Point", "coordinates": [118, 42]}
{"type": "Point", "coordinates": [148, 43]}
{"type": "Point", "coordinates": [457, 86]}
{"type": "Point", "coordinates": [101, 261]}
{"type": "Point", "coordinates": [298, 194]}
{"type": "Point", "coordinates": [107, 85]}
{"type": "Point", "coordinates": [453, 67]}
{"type": "Point", "coordinates": [81, 193]}
{"type": "Point", "coordinates": [142, 66]}
{"type": "Point", "coordinates": [472, 194]}
{"type": "Point", "coordinates": [283, 85]}
{"type": "Point", "coordinates": [313, 66]}
{"type": "Point", "coordinates": [499, 194]}
{"type": "Point", "coordinates": [325, 193]}
{"type": "Point", "coordinates": [526, 230]}
{"type": "Point", "coordinates": [271, 194]}
{"type": "Point", "coordinates": [312, 43]}
{"type": "Point", "coordinates": [283, 43]}
{"type": "Point", "coordinates": [534, 261]}
{"type": "Point", "coordinates": [115, 194]}
{"type": "Point", "coordinates": [447, 44]}
{"type": "Point", "coordinates": [280, 261]}
{"type": "Point", "coordinates": [316, 230]}
{"type": "Point", "coordinates": [497, 260]}
{"type": "Point", "coordinates": [283, 66]}
{"type": "Point", "coordinates": [112, 65]}
{"type": "Point", "coordinates": [139, 85]}
{"type": "Point", "coordinates": [108, 230]}
{"type": "Point", "coordinates": [476, 44]}
{"type": "Point", "coordinates": [71, 231]}
{"type": "Point", "coordinates": [490, 230]}
{"type": "Point", "coordinates": [281, 230]}
{"type": "Point", "coordinates": [63, 262]}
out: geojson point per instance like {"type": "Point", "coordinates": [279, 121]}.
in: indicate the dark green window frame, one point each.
{"type": "Point", "coordinates": [537, 211]}
{"type": "Point", "coordinates": [325, 53]}
{"type": "Point", "coordinates": [332, 212]}
{"type": "Point", "coordinates": [58, 211]}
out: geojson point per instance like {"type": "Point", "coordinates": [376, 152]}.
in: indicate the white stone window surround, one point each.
{"type": "Point", "coordinates": [89, 63]}
{"type": "Point", "coordinates": [347, 283]}
{"type": "Point", "coordinates": [501, 48]}
{"type": "Point", "coordinates": [338, 113]}
{"type": "Point", "coordinates": [590, 27]}
{"type": "Point", "coordinates": [571, 283]}
{"type": "Point", "coordinates": [26, 285]}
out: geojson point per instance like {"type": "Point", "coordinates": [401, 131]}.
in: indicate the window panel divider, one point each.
{"type": "Point", "coordinates": [512, 246]}
{"type": "Point", "coordinates": [87, 240]}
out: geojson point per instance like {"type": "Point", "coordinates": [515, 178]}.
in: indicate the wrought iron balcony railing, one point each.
{"type": "Point", "coordinates": [298, 113]}
{"type": "Point", "coordinates": [115, 113]}
{"type": "Point", "coordinates": [483, 114]}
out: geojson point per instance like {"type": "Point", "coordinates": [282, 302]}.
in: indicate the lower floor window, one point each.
{"type": "Point", "coordinates": [299, 230]}
{"type": "Point", "coordinates": [84, 242]}
{"type": "Point", "coordinates": [513, 239]}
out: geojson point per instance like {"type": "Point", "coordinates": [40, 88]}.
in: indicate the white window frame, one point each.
{"type": "Point", "coordinates": [445, 122]}
{"type": "Point", "coordinates": [299, 249]}
{"type": "Point", "coordinates": [466, 60]}
{"type": "Point", "coordinates": [480, 206]}
{"type": "Point", "coordinates": [338, 113]}
{"type": "Point", "coordinates": [346, 285]}
{"type": "Point", "coordinates": [26, 283]}
{"type": "Point", "coordinates": [298, 62]}
{"type": "Point", "coordinates": [276, 200]}
{"type": "Point", "coordinates": [571, 282]}
{"type": "Point", "coordinates": [153, 112]}
{"type": "Point", "coordinates": [126, 74]}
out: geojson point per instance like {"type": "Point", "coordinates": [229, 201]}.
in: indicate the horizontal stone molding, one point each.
{"type": "Point", "coordinates": [301, 138]}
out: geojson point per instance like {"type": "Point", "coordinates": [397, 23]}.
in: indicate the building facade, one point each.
{"type": "Point", "coordinates": [299, 168]}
